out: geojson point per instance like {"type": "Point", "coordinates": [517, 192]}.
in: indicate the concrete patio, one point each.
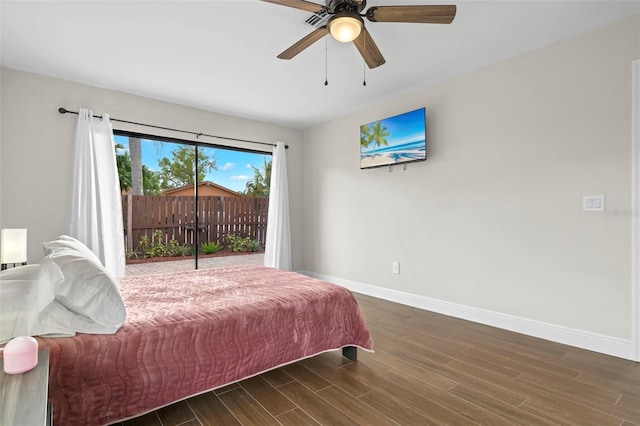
{"type": "Point", "coordinates": [188, 264]}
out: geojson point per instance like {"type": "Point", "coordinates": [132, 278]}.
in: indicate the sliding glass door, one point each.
{"type": "Point", "coordinates": [190, 201]}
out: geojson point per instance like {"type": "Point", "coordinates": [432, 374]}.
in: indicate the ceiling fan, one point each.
{"type": "Point", "coordinates": [346, 23]}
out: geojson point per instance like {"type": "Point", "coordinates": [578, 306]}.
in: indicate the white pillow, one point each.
{"type": "Point", "coordinates": [18, 295]}
{"type": "Point", "coordinates": [69, 292]}
{"type": "Point", "coordinates": [85, 289]}
{"type": "Point", "coordinates": [65, 241]}
{"type": "Point", "coordinates": [56, 317]}
{"type": "Point", "coordinates": [21, 300]}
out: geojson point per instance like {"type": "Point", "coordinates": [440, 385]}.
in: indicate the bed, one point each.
{"type": "Point", "coordinates": [190, 332]}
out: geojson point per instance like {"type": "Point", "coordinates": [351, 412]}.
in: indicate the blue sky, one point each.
{"type": "Point", "coordinates": [234, 167]}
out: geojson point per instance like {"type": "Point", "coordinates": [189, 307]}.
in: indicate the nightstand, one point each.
{"type": "Point", "coordinates": [23, 397]}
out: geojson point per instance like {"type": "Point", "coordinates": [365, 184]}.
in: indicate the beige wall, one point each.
{"type": "Point", "coordinates": [493, 219]}
{"type": "Point", "coordinates": [37, 141]}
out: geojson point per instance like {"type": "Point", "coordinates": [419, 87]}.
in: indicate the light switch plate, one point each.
{"type": "Point", "coordinates": [593, 203]}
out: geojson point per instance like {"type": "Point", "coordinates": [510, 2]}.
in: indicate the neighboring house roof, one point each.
{"type": "Point", "coordinates": [200, 185]}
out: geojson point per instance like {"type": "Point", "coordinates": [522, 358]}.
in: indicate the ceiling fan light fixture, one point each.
{"type": "Point", "coordinates": [345, 28]}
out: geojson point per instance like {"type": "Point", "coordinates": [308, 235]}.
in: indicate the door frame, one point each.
{"type": "Point", "coordinates": [635, 210]}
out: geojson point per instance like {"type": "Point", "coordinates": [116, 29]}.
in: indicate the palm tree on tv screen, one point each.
{"type": "Point", "coordinates": [378, 133]}
{"type": "Point", "coordinates": [365, 136]}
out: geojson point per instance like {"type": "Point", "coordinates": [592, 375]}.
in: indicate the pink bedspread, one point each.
{"type": "Point", "coordinates": [190, 332]}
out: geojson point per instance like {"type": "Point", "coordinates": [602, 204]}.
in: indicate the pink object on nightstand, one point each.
{"type": "Point", "coordinates": [20, 355]}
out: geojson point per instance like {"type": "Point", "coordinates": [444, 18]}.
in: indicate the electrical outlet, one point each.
{"type": "Point", "coordinates": [593, 203]}
{"type": "Point", "coordinates": [395, 267]}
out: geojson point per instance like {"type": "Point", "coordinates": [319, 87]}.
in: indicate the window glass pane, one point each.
{"type": "Point", "coordinates": [159, 207]}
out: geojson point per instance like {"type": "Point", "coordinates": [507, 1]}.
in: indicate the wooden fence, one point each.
{"type": "Point", "coordinates": [174, 216]}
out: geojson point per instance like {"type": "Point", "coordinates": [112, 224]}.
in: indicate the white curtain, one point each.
{"type": "Point", "coordinates": [277, 252]}
{"type": "Point", "coordinates": [96, 205]}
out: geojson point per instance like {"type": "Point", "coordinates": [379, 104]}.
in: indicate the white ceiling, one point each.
{"type": "Point", "coordinates": [221, 55]}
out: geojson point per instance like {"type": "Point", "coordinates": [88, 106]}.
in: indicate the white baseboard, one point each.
{"type": "Point", "coordinates": [582, 339]}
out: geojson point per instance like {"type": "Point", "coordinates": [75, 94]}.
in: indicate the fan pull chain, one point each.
{"type": "Point", "coordinates": [326, 60]}
{"type": "Point", "coordinates": [364, 73]}
{"type": "Point", "coordinates": [364, 64]}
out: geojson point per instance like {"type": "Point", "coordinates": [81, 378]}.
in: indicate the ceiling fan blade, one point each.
{"type": "Point", "coordinates": [299, 4]}
{"type": "Point", "coordinates": [303, 43]}
{"type": "Point", "coordinates": [412, 14]}
{"type": "Point", "coordinates": [368, 49]}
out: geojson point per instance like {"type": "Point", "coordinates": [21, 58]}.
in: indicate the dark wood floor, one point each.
{"type": "Point", "coordinates": [427, 369]}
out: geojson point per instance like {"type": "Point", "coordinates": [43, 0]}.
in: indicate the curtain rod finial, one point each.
{"type": "Point", "coordinates": [62, 110]}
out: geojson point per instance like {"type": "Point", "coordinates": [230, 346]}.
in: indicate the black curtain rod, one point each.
{"type": "Point", "coordinates": [62, 110]}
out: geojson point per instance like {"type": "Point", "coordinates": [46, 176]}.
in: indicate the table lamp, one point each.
{"type": "Point", "coordinates": [13, 247]}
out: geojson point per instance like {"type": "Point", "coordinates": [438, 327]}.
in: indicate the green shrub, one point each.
{"type": "Point", "coordinates": [156, 247]}
{"type": "Point", "coordinates": [144, 244]}
{"type": "Point", "coordinates": [158, 237]}
{"type": "Point", "coordinates": [255, 245]}
{"type": "Point", "coordinates": [241, 244]}
{"type": "Point", "coordinates": [175, 249]}
{"type": "Point", "coordinates": [210, 248]}
{"type": "Point", "coordinates": [157, 250]}
{"type": "Point", "coordinates": [145, 247]}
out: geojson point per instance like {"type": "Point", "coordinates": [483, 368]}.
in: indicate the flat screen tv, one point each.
{"type": "Point", "coordinates": [394, 140]}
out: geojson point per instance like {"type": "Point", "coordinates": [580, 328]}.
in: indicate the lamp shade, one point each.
{"type": "Point", "coordinates": [13, 245]}
{"type": "Point", "coordinates": [345, 28]}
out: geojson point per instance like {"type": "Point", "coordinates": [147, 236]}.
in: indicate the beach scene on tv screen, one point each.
{"type": "Point", "coordinates": [393, 140]}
